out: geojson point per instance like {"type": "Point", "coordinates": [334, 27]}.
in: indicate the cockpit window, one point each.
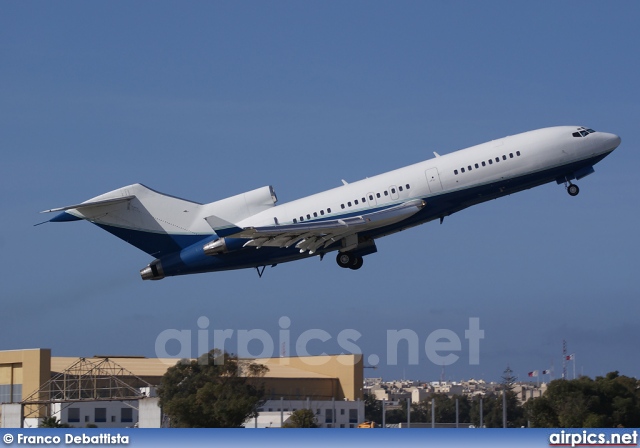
{"type": "Point", "coordinates": [583, 132]}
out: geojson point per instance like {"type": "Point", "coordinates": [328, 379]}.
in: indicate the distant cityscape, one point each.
{"type": "Point", "coordinates": [417, 391]}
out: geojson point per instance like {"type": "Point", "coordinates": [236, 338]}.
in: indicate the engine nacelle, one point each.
{"type": "Point", "coordinates": [153, 271]}
{"type": "Point", "coordinates": [223, 245]}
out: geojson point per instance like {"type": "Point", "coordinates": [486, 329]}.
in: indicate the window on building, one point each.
{"type": "Point", "coordinates": [126, 415]}
{"type": "Point", "coordinates": [353, 416]}
{"type": "Point", "coordinates": [100, 415]}
{"type": "Point", "coordinates": [73, 415]}
{"type": "Point", "coordinates": [86, 418]}
{"type": "Point", "coordinates": [328, 415]}
{"type": "Point", "coordinates": [341, 411]}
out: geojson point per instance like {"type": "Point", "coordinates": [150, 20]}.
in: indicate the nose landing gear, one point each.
{"type": "Point", "coordinates": [573, 189]}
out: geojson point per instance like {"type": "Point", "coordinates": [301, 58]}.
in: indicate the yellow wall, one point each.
{"type": "Point", "coordinates": [348, 369]}
{"type": "Point", "coordinates": [31, 368]}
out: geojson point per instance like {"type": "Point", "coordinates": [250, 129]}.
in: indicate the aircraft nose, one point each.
{"type": "Point", "coordinates": [616, 140]}
{"type": "Point", "coordinates": [613, 140]}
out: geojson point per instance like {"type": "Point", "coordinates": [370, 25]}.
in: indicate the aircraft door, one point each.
{"type": "Point", "coordinates": [371, 199]}
{"type": "Point", "coordinates": [433, 180]}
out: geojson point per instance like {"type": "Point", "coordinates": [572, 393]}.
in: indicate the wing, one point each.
{"type": "Point", "coordinates": [311, 236]}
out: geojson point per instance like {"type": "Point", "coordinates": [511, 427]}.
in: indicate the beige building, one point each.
{"type": "Point", "coordinates": [37, 377]}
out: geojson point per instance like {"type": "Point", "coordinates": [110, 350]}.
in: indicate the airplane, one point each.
{"type": "Point", "coordinates": [250, 231]}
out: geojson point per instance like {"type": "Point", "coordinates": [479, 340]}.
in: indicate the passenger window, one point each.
{"type": "Point", "coordinates": [315, 214]}
{"type": "Point", "coordinates": [349, 204]}
{"type": "Point", "coordinates": [308, 216]}
{"type": "Point", "coordinates": [462, 170]}
{"type": "Point", "coordinates": [484, 163]}
{"type": "Point", "coordinates": [386, 193]}
{"type": "Point", "coordinates": [341, 205]}
{"type": "Point", "coordinates": [301, 219]}
{"type": "Point", "coordinates": [518, 153]}
{"type": "Point", "coordinates": [469, 167]}
{"type": "Point", "coordinates": [455, 172]}
{"type": "Point", "coordinates": [477, 166]}
{"type": "Point", "coordinates": [393, 191]}
{"type": "Point", "coordinates": [497, 159]}
{"type": "Point", "coordinates": [407, 186]}
{"type": "Point", "coordinates": [504, 157]}
{"type": "Point", "coordinates": [328, 210]}
{"type": "Point", "coordinates": [511, 155]}
{"type": "Point", "coordinates": [371, 197]}
{"type": "Point", "coordinates": [400, 188]}
{"type": "Point", "coordinates": [295, 221]}
{"type": "Point", "coordinates": [322, 212]}
{"type": "Point", "coordinates": [377, 195]}
{"type": "Point", "coordinates": [364, 200]}
{"type": "Point", "coordinates": [356, 202]}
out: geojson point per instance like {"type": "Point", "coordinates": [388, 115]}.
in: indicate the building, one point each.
{"type": "Point", "coordinates": [119, 391]}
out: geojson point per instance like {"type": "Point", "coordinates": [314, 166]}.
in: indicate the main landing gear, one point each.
{"type": "Point", "coordinates": [572, 189]}
{"type": "Point", "coordinates": [349, 260]}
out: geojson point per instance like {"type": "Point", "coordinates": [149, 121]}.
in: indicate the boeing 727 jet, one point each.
{"type": "Point", "coordinates": [250, 231]}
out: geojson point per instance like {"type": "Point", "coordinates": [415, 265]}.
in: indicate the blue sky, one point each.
{"type": "Point", "coordinates": [204, 100]}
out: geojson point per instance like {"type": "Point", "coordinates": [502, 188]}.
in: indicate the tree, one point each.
{"type": "Point", "coordinates": [53, 422]}
{"type": "Point", "coordinates": [215, 391]}
{"type": "Point", "coordinates": [302, 418]}
{"type": "Point", "coordinates": [608, 401]}
{"type": "Point", "coordinates": [372, 409]}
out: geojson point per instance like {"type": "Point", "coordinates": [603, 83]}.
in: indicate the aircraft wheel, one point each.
{"type": "Point", "coordinates": [357, 263]}
{"type": "Point", "coordinates": [573, 190]}
{"type": "Point", "coordinates": [344, 259]}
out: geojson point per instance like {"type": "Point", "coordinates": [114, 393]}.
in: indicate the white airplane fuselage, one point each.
{"type": "Point", "coordinates": [355, 214]}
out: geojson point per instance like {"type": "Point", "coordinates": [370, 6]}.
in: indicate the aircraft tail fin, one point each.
{"type": "Point", "coordinates": [160, 224]}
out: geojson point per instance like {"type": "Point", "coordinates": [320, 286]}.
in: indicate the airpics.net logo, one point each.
{"type": "Point", "coordinates": [590, 438]}
{"type": "Point", "coordinates": [442, 347]}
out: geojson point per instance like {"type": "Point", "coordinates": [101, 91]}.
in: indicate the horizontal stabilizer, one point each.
{"type": "Point", "coordinates": [90, 204]}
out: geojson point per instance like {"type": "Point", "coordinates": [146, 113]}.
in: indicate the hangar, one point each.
{"type": "Point", "coordinates": [119, 391]}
